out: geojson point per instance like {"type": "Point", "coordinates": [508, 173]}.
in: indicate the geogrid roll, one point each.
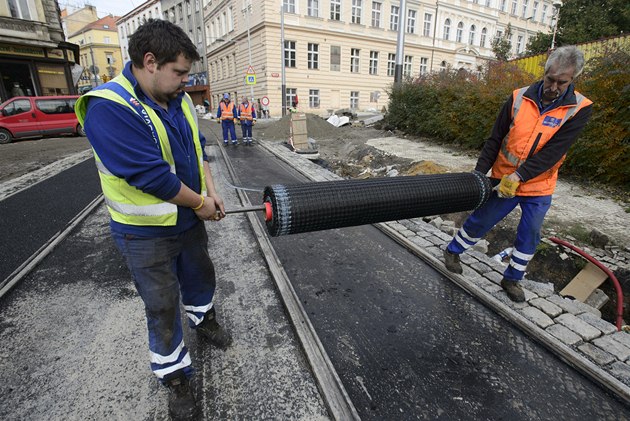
{"type": "Point", "coordinates": [336, 204]}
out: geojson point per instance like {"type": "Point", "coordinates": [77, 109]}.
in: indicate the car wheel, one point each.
{"type": "Point", "coordinates": [5, 136]}
{"type": "Point", "coordinates": [80, 130]}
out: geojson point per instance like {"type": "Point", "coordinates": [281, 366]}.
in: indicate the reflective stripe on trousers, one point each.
{"type": "Point", "coordinates": [162, 267]}
{"type": "Point", "coordinates": [533, 211]}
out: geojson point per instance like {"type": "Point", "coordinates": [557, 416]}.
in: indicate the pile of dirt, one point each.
{"type": "Point", "coordinates": [316, 126]}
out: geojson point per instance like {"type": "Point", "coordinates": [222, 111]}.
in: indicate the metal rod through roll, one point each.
{"type": "Point", "coordinates": [336, 204]}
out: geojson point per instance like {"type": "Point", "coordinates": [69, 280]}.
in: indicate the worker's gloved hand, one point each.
{"type": "Point", "coordinates": [507, 187]}
{"type": "Point", "coordinates": [219, 120]}
{"type": "Point", "coordinates": [235, 120]}
{"type": "Point", "coordinates": [253, 122]}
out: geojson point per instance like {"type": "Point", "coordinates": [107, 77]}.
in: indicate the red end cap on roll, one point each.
{"type": "Point", "coordinates": [268, 212]}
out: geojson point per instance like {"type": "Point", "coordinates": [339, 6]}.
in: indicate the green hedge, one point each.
{"type": "Point", "coordinates": [460, 108]}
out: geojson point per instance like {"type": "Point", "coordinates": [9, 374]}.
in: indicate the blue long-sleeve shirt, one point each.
{"type": "Point", "coordinates": [126, 146]}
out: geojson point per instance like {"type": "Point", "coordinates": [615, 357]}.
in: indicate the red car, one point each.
{"type": "Point", "coordinates": [30, 116]}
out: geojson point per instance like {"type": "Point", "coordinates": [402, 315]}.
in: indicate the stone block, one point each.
{"type": "Point", "coordinates": [622, 337]}
{"type": "Point", "coordinates": [565, 335]}
{"type": "Point", "coordinates": [481, 268]}
{"type": "Point", "coordinates": [542, 289]}
{"type": "Point", "coordinates": [494, 277]}
{"type": "Point", "coordinates": [621, 371]}
{"type": "Point", "coordinates": [579, 326]}
{"type": "Point", "coordinates": [537, 316]}
{"type": "Point", "coordinates": [420, 242]}
{"type": "Point", "coordinates": [573, 306]}
{"type": "Point", "coordinates": [598, 322]}
{"type": "Point", "coordinates": [596, 354]}
{"type": "Point", "coordinates": [547, 307]}
{"type": "Point", "coordinates": [608, 344]}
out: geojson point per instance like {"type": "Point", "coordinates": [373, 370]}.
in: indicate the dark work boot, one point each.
{"type": "Point", "coordinates": [181, 401]}
{"type": "Point", "coordinates": [211, 330]}
{"type": "Point", "coordinates": [451, 261]}
{"type": "Point", "coordinates": [513, 290]}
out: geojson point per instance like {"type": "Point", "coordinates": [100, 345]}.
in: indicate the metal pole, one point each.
{"type": "Point", "coordinates": [284, 80]}
{"type": "Point", "coordinates": [556, 15]}
{"type": "Point", "coordinates": [93, 66]}
{"type": "Point", "coordinates": [247, 11]}
{"type": "Point", "coordinates": [434, 33]}
{"type": "Point", "coordinates": [398, 70]}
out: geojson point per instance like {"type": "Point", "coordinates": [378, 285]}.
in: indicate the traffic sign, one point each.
{"type": "Point", "coordinates": [264, 100]}
{"type": "Point", "coordinates": [250, 71]}
{"type": "Point", "coordinates": [250, 79]}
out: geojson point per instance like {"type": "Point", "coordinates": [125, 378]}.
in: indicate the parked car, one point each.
{"type": "Point", "coordinates": [34, 116]}
{"type": "Point", "coordinates": [84, 89]}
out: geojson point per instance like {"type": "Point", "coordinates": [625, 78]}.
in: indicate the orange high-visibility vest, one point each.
{"type": "Point", "coordinates": [529, 132]}
{"type": "Point", "coordinates": [246, 111]}
{"type": "Point", "coordinates": [227, 110]}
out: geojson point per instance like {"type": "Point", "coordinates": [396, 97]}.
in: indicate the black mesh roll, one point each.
{"type": "Point", "coordinates": [336, 204]}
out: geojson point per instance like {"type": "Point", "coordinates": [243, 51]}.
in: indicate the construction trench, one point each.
{"type": "Point", "coordinates": [404, 341]}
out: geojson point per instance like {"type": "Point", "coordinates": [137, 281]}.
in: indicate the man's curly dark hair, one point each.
{"type": "Point", "coordinates": [162, 38]}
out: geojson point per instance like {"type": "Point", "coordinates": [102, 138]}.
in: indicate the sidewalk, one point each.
{"type": "Point", "coordinates": [570, 329]}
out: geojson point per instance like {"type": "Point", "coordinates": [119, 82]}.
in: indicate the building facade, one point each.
{"type": "Point", "coordinates": [35, 59]}
{"type": "Point", "coordinates": [342, 53]}
{"type": "Point", "coordinates": [128, 24]}
{"type": "Point", "coordinates": [99, 52]}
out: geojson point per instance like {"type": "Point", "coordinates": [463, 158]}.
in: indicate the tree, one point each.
{"type": "Point", "coordinates": [502, 46]}
{"type": "Point", "coordinates": [585, 20]}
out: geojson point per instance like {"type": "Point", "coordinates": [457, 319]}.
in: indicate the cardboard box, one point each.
{"type": "Point", "coordinates": [584, 283]}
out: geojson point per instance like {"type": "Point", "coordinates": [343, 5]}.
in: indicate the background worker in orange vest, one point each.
{"type": "Point", "coordinates": [247, 115]}
{"type": "Point", "coordinates": [528, 144]}
{"type": "Point", "coordinates": [227, 117]}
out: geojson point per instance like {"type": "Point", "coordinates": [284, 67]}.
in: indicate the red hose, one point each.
{"type": "Point", "coordinates": [606, 271]}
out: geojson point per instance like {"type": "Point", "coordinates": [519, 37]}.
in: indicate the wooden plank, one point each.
{"type": "Point", "coordinates": [584, 283]}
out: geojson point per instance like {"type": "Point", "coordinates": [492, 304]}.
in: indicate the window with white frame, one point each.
{"type": "Point", "coordinates": [447, 29]}
{"type": "Point", "coordinates": [411, 21]}
{"type": "Point", "coordinates": [488, 3]}
{"type": "Point", "coordinates": [197, 5]}
{"type": "Point", "coordinates": [426, 29]}
{"type": "Point", "coordinates": [502, 7]}
{"type": "Point", "coordinates": [376, 14]}
{"type": "Point", "coordinates": [199, 35]}
{"type": "Point", "coordinates": [312, 8]}
{"type": "Point", "coordinates": [354, 100]}
{"type": "Point", "coordinates": [335, 9]}
{"type": "Point", "coordinates": [525, 4]}
{"type": "Point", "coordinates": [499, 34]}
{"type": "Point", "coordinates": [460, 32]}
{"type": "Point", "coordinates": [354, 60]}
{"type": "Point", "coordinates": [424, 61]}
{"type": "Point", "coordinates": [335, 58]}
{"type": "Point", "coordinates": [188, 8]}
{"type": "Point", "coordinates": [514, 6]}
{"type": "Point", "coordinates": [313, 56]}
{"type": "Point", "coordinates": [408, 66]}
{"type": "Point", "coordinates": [107, 40]}
{"type": "Point", "coordinates": [535, 11]}
{"type": "Point", "coordinates": [471, 35]}
{"type": "Point", "coordinates": [289, 54]}
{"type": "Point", "coordinates": [373, 62]}
{"type": "Point", "coordinates": [543, 17]}
{"type": "Point", "coordinates": [357, 11]}
{"type": "Point", "coordinates": [443, 66]}
{"type": "Point", "coordinates": [313, 98]}
{"type": "Point", "coordinates": [230, 19]}
{"type": "Point", "coordinates": [393, 18]}
{"type": "Point", "coordinates": [482, 39]}
{"type": "Point", "coordinates": [374, 96]}
{"type": "Point", "coordinates": [391, 64]}
{"type": "Point", "coordinates": [290, 94]}
{"type": "Point", "coordinates": [519, 44]}
{"type": "Point", "coordinates": [289, 6]}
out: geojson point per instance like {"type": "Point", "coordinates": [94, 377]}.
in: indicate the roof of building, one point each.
{"type": "Point", "coordinates": [108, 23]}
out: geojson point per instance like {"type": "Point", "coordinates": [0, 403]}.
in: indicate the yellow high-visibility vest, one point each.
{"type": "Point", "coordinates": [126, 203]}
